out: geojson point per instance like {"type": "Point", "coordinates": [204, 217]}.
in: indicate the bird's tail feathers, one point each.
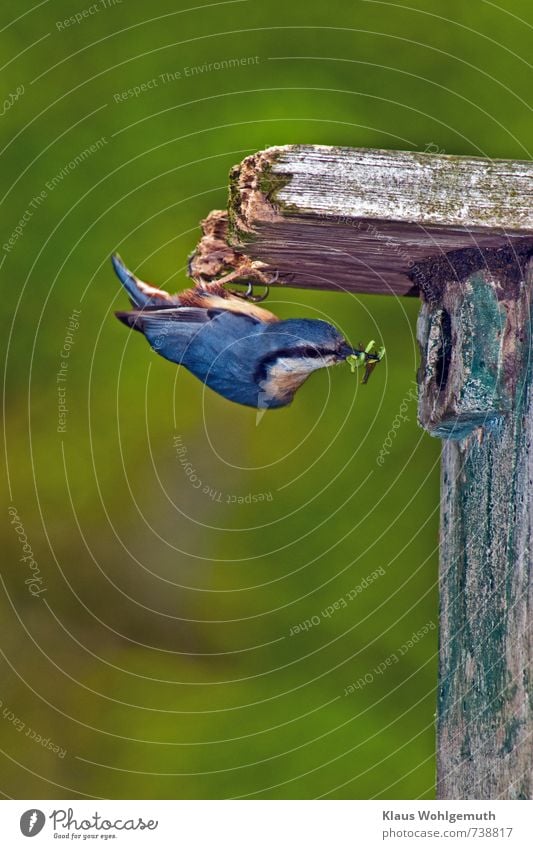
{"type": "Point", "coordinates": [141, 294]}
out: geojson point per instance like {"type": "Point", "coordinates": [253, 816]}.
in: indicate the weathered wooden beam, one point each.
{"type": "Point", "coordinates": [459, 232]}
{"type": "Point", "coordinates": [360, 220]}
{"type": "Point", "coordinates": [475, 391]}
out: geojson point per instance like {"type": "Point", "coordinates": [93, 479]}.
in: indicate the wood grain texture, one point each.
{"type": "Point", "coordinates": [485, 712]}
{"type": "Point", "coordinates": [362, 220]}
{"type": "Point", "coordinates": [421, 188]}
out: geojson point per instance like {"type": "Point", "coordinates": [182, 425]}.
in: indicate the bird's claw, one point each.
{"type": "Point", "coordinates": [248, 295]}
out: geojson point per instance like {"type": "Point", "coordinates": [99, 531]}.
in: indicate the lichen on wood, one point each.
{"type": "Point", "coordinates": [469, 331]}
{"type": "Point", "coordinates": [215, 259]}
{"type": "Point", "coordinates": [484, 409]}
{"type": "Point", "coordinates": [361, 220]}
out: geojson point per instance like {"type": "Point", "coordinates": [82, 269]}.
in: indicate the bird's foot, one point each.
{"type": "Point", "coordinates": [238, 278]}
{"type": "Point", "coordinates": [249, 295]}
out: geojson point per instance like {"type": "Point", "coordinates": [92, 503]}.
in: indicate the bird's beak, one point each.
{"type": "Point", "coordinates": [346, 350]}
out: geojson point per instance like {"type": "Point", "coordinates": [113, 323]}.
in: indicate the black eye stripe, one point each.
{"type": "Point", "coordinates": [296, 352]}
{"type": "Point", "coordinates": [309, 351]}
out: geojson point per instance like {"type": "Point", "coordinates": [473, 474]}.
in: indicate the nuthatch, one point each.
{"type": "Point", "coordinates": [241, 350]}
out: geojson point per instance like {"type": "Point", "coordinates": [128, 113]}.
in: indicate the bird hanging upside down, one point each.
{"type": "Point", "coordinates": [238, 349]}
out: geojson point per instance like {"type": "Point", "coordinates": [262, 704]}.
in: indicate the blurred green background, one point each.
{"type": "Point", "coordinates": [158, 656]}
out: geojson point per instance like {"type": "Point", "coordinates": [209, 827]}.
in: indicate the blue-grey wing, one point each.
{"type": "Point", "coordinates": [217, 346]}
{"type": "Point", "coordinates": [169, 331]}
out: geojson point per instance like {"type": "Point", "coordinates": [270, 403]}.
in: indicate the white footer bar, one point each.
{"type": "Point", "coordinates": [268, 824]}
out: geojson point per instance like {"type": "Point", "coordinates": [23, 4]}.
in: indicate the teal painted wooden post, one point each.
{"type": "Point", "coordinates": [475, 393]}
{"type": "Point", "coordinates": [458, 231]}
